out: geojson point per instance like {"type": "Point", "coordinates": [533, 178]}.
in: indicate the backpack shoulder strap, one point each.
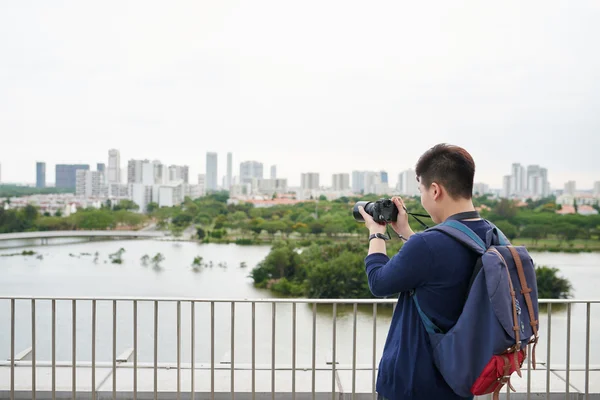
{"type": "Point", "coordinates": [463, 234]}
{"type": "Point", "coordinates": [495, 236]}
{"type": "Point", "coordinates": [526, 290]}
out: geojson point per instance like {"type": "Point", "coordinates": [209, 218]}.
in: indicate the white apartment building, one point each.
{"type": "Point", "coordinates": [211, 172]}
{"type": "Point", "coordinates": [114, 166]}
{"type": "Point", "coordinates": [570, 188]}
{"type": "Point", "coordinates": [171, 194]}
{"type": "Point", "coordinates": [340, 182]}
{"type": "Point", "coordinates": [407, 183]}
{"type": "Point", "coordinates": [309, 181]}
{"type": "Point", "coordinates": [358, 181]}
{"type": "Point", "coordinates": [179, 172]}
{"type": "Point", "coordinates": [270, 186]}
{"type": "Point", "coordinates": [141, 195]}
{"type": "Point", "coordinates": [250, 170]}
{"type": "Point", "coordinates": [89, 183]}
{"type": "Point", "coordinates": [118, 190]}
{"type": "Point", "coordinates": [229, 176]}
{"type": "Point", "coordinates": [481, 188]}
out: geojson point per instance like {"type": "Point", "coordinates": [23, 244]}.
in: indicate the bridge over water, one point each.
{"type": "Point", "coordinates": [46, 236]}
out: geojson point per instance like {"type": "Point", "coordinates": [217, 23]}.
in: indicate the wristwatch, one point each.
{"type": "Point", "coordinates": [379, 236]}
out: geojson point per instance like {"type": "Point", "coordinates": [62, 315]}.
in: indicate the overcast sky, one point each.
{"type": "Point", "coordinates": [325, 86]}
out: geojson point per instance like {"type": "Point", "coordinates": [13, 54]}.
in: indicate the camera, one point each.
{"type": "Point", "coordinates": [382, 211]}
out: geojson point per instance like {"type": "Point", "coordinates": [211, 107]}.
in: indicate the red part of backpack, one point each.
{"type": "Point", "coordinates": [497, 373]}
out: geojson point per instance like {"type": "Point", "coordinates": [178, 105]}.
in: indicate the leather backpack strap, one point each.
{"type": "Point", "coordinates": [526, 290]}
{"type": "Point", "coordinates": [516, 328]}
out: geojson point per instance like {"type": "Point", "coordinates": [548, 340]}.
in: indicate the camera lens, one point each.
{"type": "Point", "coordinates": [367, 205]}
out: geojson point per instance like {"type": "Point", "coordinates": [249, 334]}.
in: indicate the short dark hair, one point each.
{"type": "Point", "coordinates": [449, 165]}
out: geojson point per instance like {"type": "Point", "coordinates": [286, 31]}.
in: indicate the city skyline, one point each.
{"type": "Point", "coordinates": [213, 77]}
{"type": "Point", "coordinates": [326, 180]}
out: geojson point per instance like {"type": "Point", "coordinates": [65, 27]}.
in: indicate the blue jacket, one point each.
{"type": "Point", "coordinates": [438, 268]}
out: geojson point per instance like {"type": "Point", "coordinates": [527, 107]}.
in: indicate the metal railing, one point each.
{"type": "Point", "coordinates": [331, 367]}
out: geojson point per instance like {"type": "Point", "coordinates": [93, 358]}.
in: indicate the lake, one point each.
{"type": "Point", "coordinates": [70, 270]}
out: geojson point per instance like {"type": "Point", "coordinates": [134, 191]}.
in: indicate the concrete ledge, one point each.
{"type": "Point", "coordinates": [325, 382]}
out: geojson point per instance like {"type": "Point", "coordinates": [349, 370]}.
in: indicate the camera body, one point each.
{"type": "Point", "coordinates": [382, 210]}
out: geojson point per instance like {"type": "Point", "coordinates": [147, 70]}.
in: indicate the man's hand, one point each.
{"type": "Point", "coordinates": [401, 225]}
{"type": "Point", "coordinates": [372, 226]}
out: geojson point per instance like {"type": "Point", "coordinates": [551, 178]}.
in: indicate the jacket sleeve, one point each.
{"type": "Point", "coordinates": [405, 271]}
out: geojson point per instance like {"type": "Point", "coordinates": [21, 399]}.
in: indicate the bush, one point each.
{"type": "Point", "coordinates": [287, 288]}
{"type": "Point", "coordinates": [550, 285]}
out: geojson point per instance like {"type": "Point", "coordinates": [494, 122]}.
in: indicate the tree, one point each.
{"type": "Point", "coordinates": [550, 285]}
{"type": "Point", "coordinates": [151, 207]}
{"type": "Point", "coordinates": [507, 228]}
{"type": "Point", "coordinates": [505, 209]}
{"type": "Point", "coordinates": [200, 232]}
{"type": "Point", "coordinates": [535, 232]}
{"type": "Point", "coordinates": [126, 204]}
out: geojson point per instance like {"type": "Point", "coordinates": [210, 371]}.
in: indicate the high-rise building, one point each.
{"type": "Point", "coordinates": [519, 180]}
{"type": "Point", "coordinates": [114, 166]}
{"type": "Point", "coordinates": [89, 183]}
{"type": "Point", "coordinates": [481, 188]}
{"type": "Point", "coordinates": [66, 175]}
{"type": "Point", "coordinates": [407, 183]}
{"type": "Point", "coordinates": [270, 186]}
{"type": "Point", "coordinates": [597, 189]}
{"type": "Point", "coordinates": [340, 182]}
{"type": "Point", "coordinates": [358, 181]}
{"type": "Point", "coordinates": [383, 176]}
{"type": "Point", "coordinates": [506, 186]}
{"type": "Point", "coordinates": [101, 167]}
{"type": "Point", "coordinates": [229, 181]}
{"type": "Point", "coordinates": [309, 181]}
{"type": "Point", "coordinates": [211, 172]}
{"type": "Point", "coordinates": [250, 171]}
{"type": "Point", "coordinates": [148, 173]}
{"type": "Point", "coordinates": [134, 171]}
{"type": "Point", "coordinates": [40, 175]}
{"type": "Point", "coordinates": [273, 171]}
{"type": "Point", "coordinates": [179, 172]}
{"type": "Point", "coordinates": [570, 188]}
{"type": "Point", "coordinates": [537, 181]}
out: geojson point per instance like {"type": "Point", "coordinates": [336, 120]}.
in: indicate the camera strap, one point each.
{"type": "Point", "coordinates": [464, 215]}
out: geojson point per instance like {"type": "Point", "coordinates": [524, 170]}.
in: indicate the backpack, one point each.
{"type": "Point", "coordinates": [489, 341]}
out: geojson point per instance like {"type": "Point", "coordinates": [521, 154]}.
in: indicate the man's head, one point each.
{"type": "Point", "coordinates": [445, 174]}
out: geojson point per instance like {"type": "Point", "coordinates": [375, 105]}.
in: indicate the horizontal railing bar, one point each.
{"type": "Point", "coordinates": [299, 300]}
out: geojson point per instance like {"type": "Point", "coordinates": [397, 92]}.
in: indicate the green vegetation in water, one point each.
{"type": "Point", "coordinates": [157, 259]}
{"type": "Point", "coordinates": [337, 270]}
{"type": "Point", "coordinates": [197, 261]}
{"type": "Point", "coordinates": [23, 253]}
{"type": "Point", "coordinates": [551, 285]}
{"type": "Point", "coordinates": [145, 260]}
{"type": "Point", "coordinates": [117, 258]}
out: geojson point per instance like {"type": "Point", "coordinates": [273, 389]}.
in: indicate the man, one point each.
{"type": "Point", "coordinates": [433, 265]}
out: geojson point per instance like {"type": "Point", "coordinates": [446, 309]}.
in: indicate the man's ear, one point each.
{"type": "Point", "coordinates": [436, 191]}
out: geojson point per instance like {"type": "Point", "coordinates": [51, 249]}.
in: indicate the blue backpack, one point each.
{"type": "Point", "coordinates": [499, 319]}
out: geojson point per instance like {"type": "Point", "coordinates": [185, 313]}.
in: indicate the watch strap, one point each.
{"type": "Point", "coordinates": [379, 236]}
